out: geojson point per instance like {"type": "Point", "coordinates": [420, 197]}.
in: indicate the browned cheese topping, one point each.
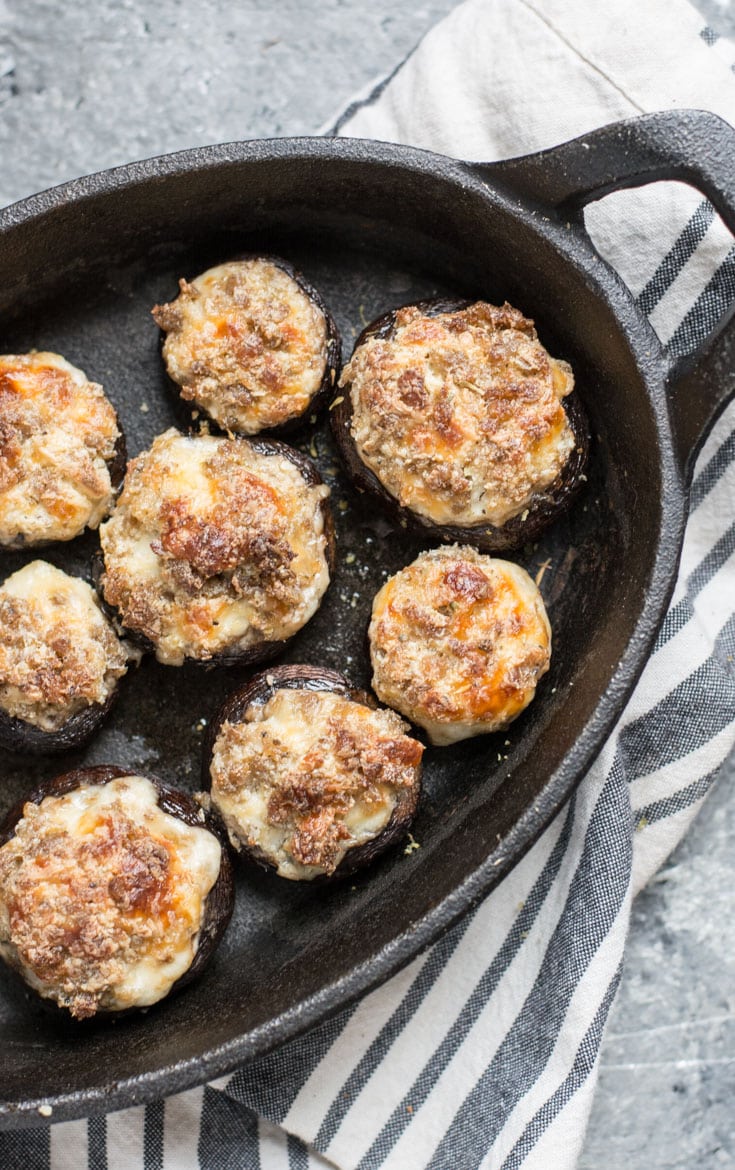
{"type": "Point", "coordinates": [58, 652]}
{"type": "Point", "coordinates": [459, 415]}
{"type": "Point", "coordinates": [214, 546]}
{"type": "Point", "coordinates": [245, 342]}
{"type": "Point", "coordinates": [307, 776]}
{"type": "Point", "coordinates": [102, 896]}
{"type": "Point", "coordinates": [458, 642]}
{"type": "Point", "coordinates": [57, 434]}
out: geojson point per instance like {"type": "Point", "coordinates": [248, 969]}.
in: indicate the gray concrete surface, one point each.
{"type": "Point", "coordinates": [88, 85]}
{"type": "Point", "coordinates": [91, 84]}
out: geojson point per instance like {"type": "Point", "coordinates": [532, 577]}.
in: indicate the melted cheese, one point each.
{"type": "Point", "coordinates": [57, 435]}
{"type": "Point", "coordinates": [307, 776]}
{"type": "Point", "coordinates": [102, 896]}
{"type": "Point", "coordinates": [245, 342]}
{"type": "Point", "coordinates": [58, 651]}
{"type": "Point", "coordinates": [214, 547]}
{"type": "Point", "coordinates": [458, 642]}
{"type": "Point", "coordinates": [459, 415]}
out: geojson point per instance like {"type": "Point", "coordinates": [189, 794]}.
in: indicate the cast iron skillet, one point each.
{"type": "Point", "coordinates": [373, 226]}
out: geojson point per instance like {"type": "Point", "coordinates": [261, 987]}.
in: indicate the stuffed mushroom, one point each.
{"type": "Point", "coordinates": [62, 453]}
{"type": "Point", "coordinates": [458, 642]}
{"type": "Point", "coordinates": [455, 416]}
{"type": "Point", "coordinates": [309, 775]}
{"type": "Point", "coordinates": [218, 550]}
{"type": "Point", "coordinates": [251, 344]}
{"type": "Point", "coordinates": [61, 661]}
{"type": "Point", "coordinates": [114, 889]}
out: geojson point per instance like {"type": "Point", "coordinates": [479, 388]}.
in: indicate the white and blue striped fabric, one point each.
{"type": "Point", "coordinates": [483, 1052]}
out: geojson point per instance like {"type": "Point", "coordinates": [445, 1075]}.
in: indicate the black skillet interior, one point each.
{"type": "Point", "coordinates": [80, 279]}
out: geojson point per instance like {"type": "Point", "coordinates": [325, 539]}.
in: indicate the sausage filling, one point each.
{"type": "Point", "coordinates": [458, 642]}
{"type": "Point", "coordinates": [102, 896]}
{"type": "Point", "coordinates": [245, 342]}
{"type": "Point", "coordinates": [214, 546]}
{"type": "Point", "coordinates": [459, 415]}
{"type": "Point", "coordinates": [57, 435]}
{"type": "Point", "coordinates": [58, 651]}
{"type": "Point", "coordinates": [306, 776]}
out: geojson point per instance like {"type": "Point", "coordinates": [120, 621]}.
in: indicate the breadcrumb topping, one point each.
{"type": "Point", "coordinates": [57, 435]}
{"type": "Point", "coordinates": [214, 546]}
{"type": "Point", "coordinates": [459, 415]}
{"type": "Point", "coordinates": [245, 342]}
{"type": "Point", "coordinates": [102, 896]}
{"type": "Point", "coordinates": [58, 651]}
{"type": "Point", "coordinates": [458, 642]}
{"type": "Point", "coordinates": [308, 775]}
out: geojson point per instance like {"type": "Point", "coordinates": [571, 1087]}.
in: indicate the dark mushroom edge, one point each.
{"type": "Point", "coordinates": [264, 651]}
{"type": "Point", "coordinates": [543, 510]}
{"type": "Point", "coordinates": [332, 365]}
{"type": "Point", "coordinates": [17, 735]}
{"type": "Point", "coordinates": [220, 900]}
{"type": "Point", "coordinates": [116, 467]}
{"type": "Point", "coordinates": [259, 690]}
{"type": "Point", "coordinates": [119, 461]}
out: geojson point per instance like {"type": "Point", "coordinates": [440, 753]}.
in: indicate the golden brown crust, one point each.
{"type": "Point", "coordinates": [214, 544]}
{"type": "Point", "coordinates": [458, 642]}
{"type": "Point", "coordinates": [82, 906]}
{"type": "Point", "coordinates": [458, 413]}
{"type": "Point", "coordinates": [311, 765]}
{"type": "Point", "coordinates": [122, 866]}
{"type": "Point", "coordinates": [313, 799]}
{"type": "Point", "coordinates": [58, 437]}
{"type": "Point", "coordinates": [58, 651]}
{"type": "Point", "coordinates": [247, 343]}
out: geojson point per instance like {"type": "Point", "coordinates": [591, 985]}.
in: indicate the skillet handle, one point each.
{"type": "Point", "coordinates": [693, 146]}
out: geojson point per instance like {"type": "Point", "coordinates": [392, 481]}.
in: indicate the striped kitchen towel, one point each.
{"type": "Point", "coordinates": [483, 1052]}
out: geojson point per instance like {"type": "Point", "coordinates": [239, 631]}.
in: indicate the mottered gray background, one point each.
{"type": "Point", "coordinates": [89, 84]}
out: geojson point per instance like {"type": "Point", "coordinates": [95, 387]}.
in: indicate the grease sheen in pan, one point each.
{"type": "Point", "coordinates": [456, 418]}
